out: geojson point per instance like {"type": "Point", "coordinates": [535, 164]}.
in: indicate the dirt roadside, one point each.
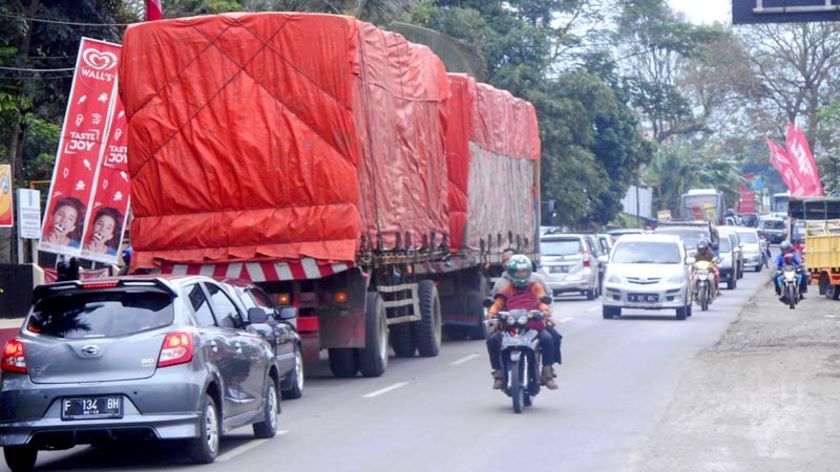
{"type": "Point", "coordinates": [766, 397]}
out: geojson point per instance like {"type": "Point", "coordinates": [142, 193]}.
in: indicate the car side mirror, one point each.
{"type": "Point", "coordinates": [547, 299]}
{"type": "Point", "coordinates": [257, 315]}
{"type": "Point", "coordinates": [288, 313]}
{"type": "Point", "coordinates": [488, 302]}
{"type": "Point", "coordinates": [690, 260]}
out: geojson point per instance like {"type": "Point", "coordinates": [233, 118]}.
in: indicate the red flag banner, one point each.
{"type": "Point", "coordinates": [106, 226]}
{"type": "Point", "coordinates": [782, 162]}
{"type": "Point", "coordinates": [746, 202]}
{"type": "Point", "coordinates": [803, 161]}
{"type": "Point", "coordinates": [89, 109]}
{"type": "Point", "coordinates": [154, 11]}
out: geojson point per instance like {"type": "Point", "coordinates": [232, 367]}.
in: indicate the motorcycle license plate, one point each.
{"type": "Point", "coordinates": [643, 297]}
{"type": "Point", "coordinates": [512, 342]}
{"type": "Point", "coordinates": [87, 408]}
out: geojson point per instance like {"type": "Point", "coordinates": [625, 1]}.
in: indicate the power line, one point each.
{"type": "Point", "coordinates": [24, 69]}
{"type": "Point", "coordinates": [59, 22]}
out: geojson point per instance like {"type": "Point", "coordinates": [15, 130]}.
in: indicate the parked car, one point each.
{"type": "Point", "coordinates": [738, 248]}
{"type": "Point", "coordinates": [751, 247]}
{"type": "Point", "coordinates": [774, 229]}
{"type": "Point", "coordinates": [160, 358]}
{"type": "Point", "coordinates": [648, 271]}
{"type": "Point", "coordinates": [567, 265]}
{"type": "Point", "coordinates": [280, 331]}
{"type": "Point", "coordinates": [728, 261]}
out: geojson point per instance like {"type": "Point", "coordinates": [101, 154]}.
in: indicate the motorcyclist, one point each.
{"type": "Point", "coordinates": [521, 292]}
{"type": "Point", "coordinates": [507, 254]}
{"type": "Point", "coordinates": [786, 249]}
{"type": "Point", "coordinates": [706, 253]}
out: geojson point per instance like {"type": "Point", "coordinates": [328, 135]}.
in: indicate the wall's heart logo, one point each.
{"type": "Point", "coordinates": [99, 60]}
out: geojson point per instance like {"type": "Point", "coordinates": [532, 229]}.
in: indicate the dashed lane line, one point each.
{"type": "Point", "coordinates": [245, 448]}
{"type": "Point", "coordinates": [385, 390]}
{"type": "Point", "coordinates": [465, 359]}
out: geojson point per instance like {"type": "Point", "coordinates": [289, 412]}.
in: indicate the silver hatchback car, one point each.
{"type": "Point", "coordinates": [156, 358]}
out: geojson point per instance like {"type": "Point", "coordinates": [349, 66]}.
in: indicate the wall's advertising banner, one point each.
{"type": "Point", "coordinates": [89, 109]}
{"type": "Point", "coordinates": [7, 218]}
{"type": "Point", "coordinates": [106, 224]}
{"type": "Point", "coordinates": [782, 162]}
{"type": "Point", "coordinates": [803, 162]}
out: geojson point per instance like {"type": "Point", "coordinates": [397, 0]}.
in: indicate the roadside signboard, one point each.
{"type": "Point", "coordinates": [784, 11]}
{"type": "Point", "coordinates": [29, 213]}
{"type": "Point", "coordinates": [7, 218]}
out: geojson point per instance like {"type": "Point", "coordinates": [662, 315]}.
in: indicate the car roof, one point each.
{"type": "Point", "coordinates": [559, 236]}
{"type": "Point", "coordinates": [650, 237]}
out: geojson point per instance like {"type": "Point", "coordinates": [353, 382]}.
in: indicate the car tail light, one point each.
{"type": "Point", "coordinates": [14, 358]}
{"type": "Point", "coordinates": [284, 299]}
{"type": "Point", "coordinates": [97, 285]}
{"type": "Point", "coordinates": [177, 349]}
{"type": "Point", "coordinates": [587, 262]}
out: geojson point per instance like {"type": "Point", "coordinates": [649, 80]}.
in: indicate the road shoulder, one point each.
{"type": "Point", "coordinates": [765, 397]}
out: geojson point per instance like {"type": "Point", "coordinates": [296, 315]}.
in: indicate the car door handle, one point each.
{"type": "Point", "coordinates": [237, 348]}
{"type": "Point", "coordinates": [214, 346]}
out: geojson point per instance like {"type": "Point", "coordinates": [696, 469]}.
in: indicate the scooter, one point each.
{"type": "Point", "coordinates": [704, 279]}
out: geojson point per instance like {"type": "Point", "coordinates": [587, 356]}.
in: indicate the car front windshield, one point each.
{"type": "Point", "coordinates": [748, 237]}
{"type": "Point", "coordinates": [773, 224]}
{"type": "Point", "coordinates": [560, 247]}
{"type": "Point", "coordinates": [646, 252]}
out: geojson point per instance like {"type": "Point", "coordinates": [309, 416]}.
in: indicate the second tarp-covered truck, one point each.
{"type": "Point", "coordinates": [316, 156]}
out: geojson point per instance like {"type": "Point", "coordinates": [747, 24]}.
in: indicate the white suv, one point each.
{"type": "Point", "coordinates": [648, 271]}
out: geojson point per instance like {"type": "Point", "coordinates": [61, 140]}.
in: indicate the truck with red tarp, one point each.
{"type": "Point", "coordinates": [308, 153]}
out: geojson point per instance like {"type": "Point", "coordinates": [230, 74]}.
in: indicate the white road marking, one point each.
{"type": "Point", "coordinates": [594, 308]}
{"type": "Point", "coordinates": [465, 359]}
{"type": "Point", "coordinates": [563, 320]}
{"type": "Point", "coordinates": [385, 390]}
{"type": "Point", "coordinates": [245, 448]}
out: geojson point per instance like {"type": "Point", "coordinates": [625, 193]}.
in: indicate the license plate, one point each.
{"type": "Point", "coordinates": [86, 408]}
{"type": "Point", "coordinates": [643, 298]}
{"type": "Point", "coordinates": [559, 269]}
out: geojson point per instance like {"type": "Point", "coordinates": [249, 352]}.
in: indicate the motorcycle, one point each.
{"type": "Point", "coordinates": [703, 277]}
{"type": "Point", "coordinates": [790, 285]}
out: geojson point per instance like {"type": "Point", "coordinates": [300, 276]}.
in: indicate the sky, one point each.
{"type": "Point", "coordinates": [704, 11]}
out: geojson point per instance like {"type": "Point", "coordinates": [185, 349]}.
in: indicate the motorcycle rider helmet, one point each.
{"type": "Point", "coordinates": [519, 269]}
{"type": "Point", "coordinates": [785, 246]}
{"type": "Point", "coordinates": [703, 244]}
{"type": "Point", "coordinates": [788, 258]}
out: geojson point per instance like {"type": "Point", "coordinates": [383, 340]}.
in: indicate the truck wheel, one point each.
{"type": "Point", "coordinates": [428, 329]}
{"type": "Point", "coordinates": [402, 340]}
{"type": "Point", "coordinates": [476, 309]}
{"type": "Point", "coordinates": [834, 291]}
{"type": "Point", "coordinates": [343, 363]}
{"type": "Point", "coordinates": [373, 358]}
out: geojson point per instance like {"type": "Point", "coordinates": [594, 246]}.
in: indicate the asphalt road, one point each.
{"type": "Point", "coordinates": [440, 414]}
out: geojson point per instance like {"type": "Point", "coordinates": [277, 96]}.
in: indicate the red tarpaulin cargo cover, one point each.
{"type": "Point", "coordinates": [248, 139]}
{"type": "Point", "coordinates": [493, 152]}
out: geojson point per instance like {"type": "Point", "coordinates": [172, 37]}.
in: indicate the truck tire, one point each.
{"type": "Point", "coordinates": [476, 309]}
{"type": "Point", "coordinates": [402, 340]}
{"type": "Point", "coordinates": [343, 362]}
{"type": "Point", "coordinates": [373, 358]}
{"type": "Point", "coordinates": [428, 330]}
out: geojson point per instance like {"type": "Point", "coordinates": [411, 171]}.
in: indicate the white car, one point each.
{"type": "Point", "coordinates": [751, 246]}
{"type": "Point", "coordinates": [648, 271]}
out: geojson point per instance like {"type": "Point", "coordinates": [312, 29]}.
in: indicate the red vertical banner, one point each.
{"type": "Point", "coordinates": [154, 11]}
{"type": "Point", "coordinates": [803, 161]}
{"type": "Point", "coordinates": [89, 109]}
{"type": "Point", "coordinates": [106, 224]}
{"type": "Point", "coordinates": [782, 162]}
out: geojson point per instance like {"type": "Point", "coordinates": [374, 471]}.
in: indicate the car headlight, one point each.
{"type": "Point", "coordinates": [614, 279]}
{"type": "Point", "coordinates": [511, 320]}
{"type": "Point", "coordinates": [522, 319]}
{"type": "Point", "coordinates": [674, 279]}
